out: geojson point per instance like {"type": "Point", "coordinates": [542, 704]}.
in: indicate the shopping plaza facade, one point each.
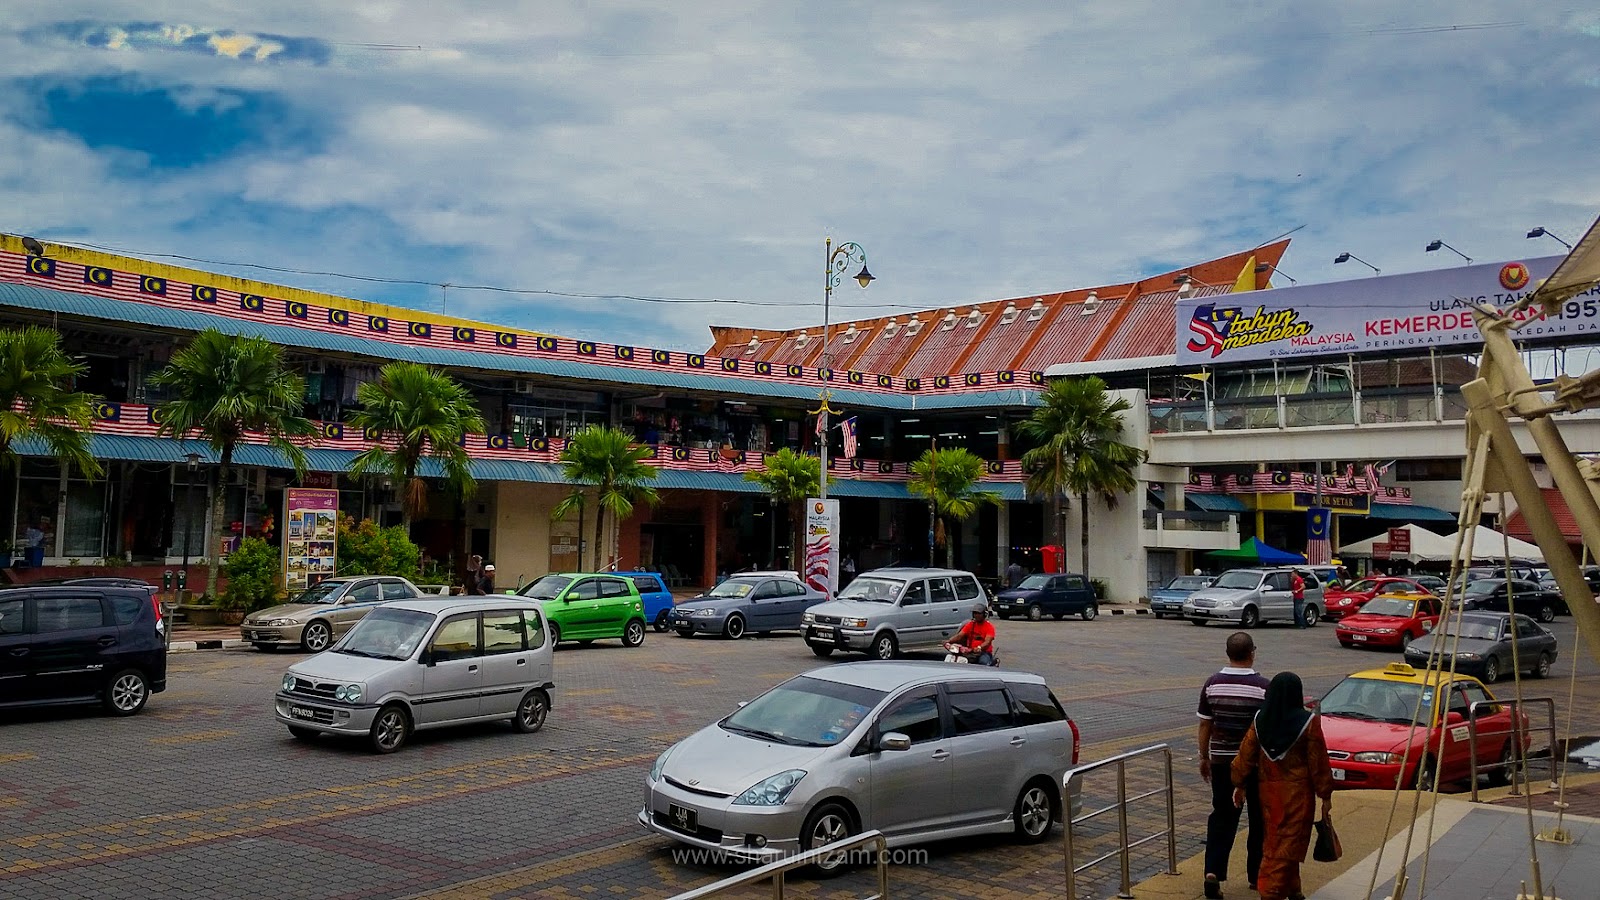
{"type": "Point", "coordinates": [1253, 406]}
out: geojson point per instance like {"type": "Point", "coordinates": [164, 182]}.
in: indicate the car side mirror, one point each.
{"type": "Point", "coordinates": [1454, 717]}
{"type": "Point", "coordinates": [743, 703]}
{"type": "Point", "coordinates": [1311, 702]}
{"type": "Point", "coordinates": [426, 658]}
{"type": "Point", "coordinates": [894, 740]}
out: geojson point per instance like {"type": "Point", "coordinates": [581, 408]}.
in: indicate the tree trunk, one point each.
{"type": "Point", "coordinates": [219, 509]}
{"type": "Point", "coordinates": [1083, 506]}
{"type": "Point", "coordinates": [949, 547]}
{"type": "Point", "coordinates": [405, 499]}
{"type": "Point", "coordinates": [1060, 521]}
{"type": "Point", "coordinates": [599, 532]}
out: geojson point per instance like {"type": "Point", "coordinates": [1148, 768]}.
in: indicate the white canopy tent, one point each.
{"type": "Point", "coordinates": [1425, 546]}
{"type": "Point", "coordinates": [1491, 545]}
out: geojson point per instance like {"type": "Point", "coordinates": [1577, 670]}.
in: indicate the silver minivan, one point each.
{"type": "Point", "coordinates": [885, 611]}
{"type": "Point", "coordinates": [1253, 596]}
{"type": "Point", "coordinates": [418, 664]}
{"type": "Point", "coordinates": [918, 750]}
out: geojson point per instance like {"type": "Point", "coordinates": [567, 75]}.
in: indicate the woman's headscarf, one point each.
{"type": "Point", "coordinates": [1283, 716]}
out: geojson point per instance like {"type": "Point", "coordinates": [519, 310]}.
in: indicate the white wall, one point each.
{"type": "Point", "coordinates": [1116, 550]}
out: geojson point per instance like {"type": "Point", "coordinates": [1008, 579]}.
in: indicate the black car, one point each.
{"type": "Point", "coordinates": [1531, 599]}
{"type": "Point", "coordinates": [1054, 595]}
{"type": "Point", "coordinates": [80, 643]}
{"type": "Point", "coordinates": [1481, 642]}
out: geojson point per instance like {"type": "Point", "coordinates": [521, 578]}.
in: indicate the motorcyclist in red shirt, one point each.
{"type": "Point", "coordinates": [974, 642]}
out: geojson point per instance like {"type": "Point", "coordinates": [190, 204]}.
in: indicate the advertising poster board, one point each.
{"type": "Point", "coordinates": [822, 545]}
{"type": "Point", "coordinates": [310, 536]}
{"type": "Point", "coordinates": [1399, 542]}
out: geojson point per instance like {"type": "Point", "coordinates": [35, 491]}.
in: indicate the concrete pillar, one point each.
{"type": "Point", "coordinates": [1002, 531]}
{"type": "Point", "coordinates": [711, 516]}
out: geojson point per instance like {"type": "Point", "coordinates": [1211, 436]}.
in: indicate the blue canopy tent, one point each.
{"type": "Point", "coordinates": [1253, 551]}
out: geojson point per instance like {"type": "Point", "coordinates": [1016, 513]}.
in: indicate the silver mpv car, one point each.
{"type": "Point", "coordinates": [418, 664]}
{"type": "Point", "coordinates": [919, 751]}
{"type": "Point", "coordinates": [885, 611]}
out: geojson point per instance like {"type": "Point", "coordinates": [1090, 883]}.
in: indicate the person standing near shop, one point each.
{"type": "Point", "coordinates": [486, 580]}
{"type": "Point", "coordinates": [1228, 703]}
{"type": "Point", "coordinates": [474, 574]}
{"type": "Point", "coordinates": [1298, 586]}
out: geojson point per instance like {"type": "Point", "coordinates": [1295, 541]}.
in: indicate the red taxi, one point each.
{"type": "Point", "coordinates": [1341, 602]}
{"type": "Point", "coordinates": [1366, 719]}
{"type": "Point", "coordinates": [1392, 621]}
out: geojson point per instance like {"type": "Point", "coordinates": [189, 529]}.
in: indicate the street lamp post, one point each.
{"type": "Point", "coordinates": [839, 260]}
{"type": "Point", "coordinates": [192, 464]}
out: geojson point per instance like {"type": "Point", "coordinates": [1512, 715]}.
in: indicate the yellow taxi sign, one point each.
{"type": "Point", "coordinates": [1399, 669]}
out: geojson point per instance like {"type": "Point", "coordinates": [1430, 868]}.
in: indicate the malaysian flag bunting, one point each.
{"type": "Point", "coordinates": [849, 428]}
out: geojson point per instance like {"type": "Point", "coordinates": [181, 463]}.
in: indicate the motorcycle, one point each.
{"type": "Point", "coordinates": [955, 653]}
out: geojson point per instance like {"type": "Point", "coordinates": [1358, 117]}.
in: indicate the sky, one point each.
{"type": "Point", "coordinates": [703, 150]}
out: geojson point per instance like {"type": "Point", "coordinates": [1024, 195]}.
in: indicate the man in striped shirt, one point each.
{"type": "Point", "coordinates": [1228, 705]}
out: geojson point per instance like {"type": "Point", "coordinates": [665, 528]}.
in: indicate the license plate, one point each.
{"type": "Point", "coordinates": [823, 633]}
{"type": "Point", "coordinates": [1338, 774]}
{"type": "Point", "coordinates": [300, 712]}
{"type": "Point", "coordinates": [682, 818]}
{"type": "Point", "coordinates": [1358, 637]}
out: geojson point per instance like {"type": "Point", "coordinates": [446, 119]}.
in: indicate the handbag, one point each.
{"type": "Point", "coordinates": [1328, 848]}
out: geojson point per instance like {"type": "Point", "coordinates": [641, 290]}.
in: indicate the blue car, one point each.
{"type": "Point", "coordinates": [654, 594]}
{"type": "Point", "coordinates": [1169, 600]}
{"type": "Point", "coordinates": [744, 603]}
{"type": "Point", "coordinates": [1043, 595]}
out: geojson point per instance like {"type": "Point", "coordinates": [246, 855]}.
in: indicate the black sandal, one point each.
{"type": "Point", "coordinates": [1213, 888]}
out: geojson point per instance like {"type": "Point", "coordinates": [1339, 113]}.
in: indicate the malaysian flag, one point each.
{"type": "Point", "coordinates": [1319, 551]}
{"type": "Point", "coordinates": [849, 428]}
{"type": "Point", "coordinates": [1371, 471]}
{"type": "Point", "coordinates": [822, 424]}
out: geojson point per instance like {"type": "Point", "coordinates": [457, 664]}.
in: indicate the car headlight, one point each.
{"type": "Point", "coordinates": [659, 764]}
{"type": "Point", "coordinates": [772, 791]}
{"type": "Point", "coordinates": [1378, 756]}
{"type": "Point", "coordinates": [853, 623]}
{"type": "Point", "coordinates": [808, 618]}
{"type": "Point", "coordinates": [1466, 656]}
{"type": "Point", "coordinates": [1224, 603]}
{"type": "Point", "coordinates": [288, 681]}
{"type": "Point", "coordinates": [705, 613]}
{"type": "Point", "coordinates": [347, 693]}
{"type": "Point", "coordinates": [279, 623]}
{"type": "Point", "coordinates": [1384, 631]}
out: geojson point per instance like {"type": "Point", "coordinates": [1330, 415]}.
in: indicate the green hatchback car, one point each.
{"type": "Point", "coordinates": [586, 607]}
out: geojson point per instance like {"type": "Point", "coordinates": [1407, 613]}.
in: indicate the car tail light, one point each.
{"type": "Point", "coordinates": [155, 601]}
{"type": "Point", "coordinates": [1075, 738]}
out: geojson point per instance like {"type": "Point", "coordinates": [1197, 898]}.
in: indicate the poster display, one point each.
{"type": "Point", "coordinates": [822, 545]}
{"type": "Point", "coordinates": [310, 536]}
{"type": "Point", "coordinates": [1393, 313]}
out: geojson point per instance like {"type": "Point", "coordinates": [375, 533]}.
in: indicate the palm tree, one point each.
{"type": "Point", "coordinates": [1077, 427]}
{"type": "Point", "coordinates": [424, 413]}
{"type": "Point", "coordinates": [949, 478]}
{"type": "Point", "coordinates": [38, 404]}
{"type": "Point", "coordinates": [225, 387]}
{"type": "Point", "coordinates": [605, 458]}
{"type": "Point", "coordinates": [789, 478]}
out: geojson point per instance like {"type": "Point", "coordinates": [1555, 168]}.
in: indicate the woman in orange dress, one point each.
{"type": "Point", "coordinates": [1284, 750]}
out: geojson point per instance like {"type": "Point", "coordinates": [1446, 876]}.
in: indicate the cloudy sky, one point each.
{"type": "Point", "coordinates": [702, 150]}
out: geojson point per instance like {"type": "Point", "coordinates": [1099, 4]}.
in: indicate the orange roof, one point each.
{"type": "Point", "coordinates": [1132, 320]}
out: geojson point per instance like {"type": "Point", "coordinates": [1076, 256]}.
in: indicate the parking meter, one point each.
{"type": "Point", "coordinates": [166, 582]}
{"type": "Point", "coordinates": [183, 581]}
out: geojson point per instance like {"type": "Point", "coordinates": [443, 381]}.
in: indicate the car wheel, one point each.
{"type": "Point", "coordinates": [531, 712]}
{"type": "Point", "coordinates": [633, 634]}
{"type": "Point", "coordinates": [1545, 664]}
{"type": "Point", "coordinates": [828, 824]}
{"type": "Point", "coordinates": [555, 634]}
{"type": "Point", "coordinates": [1090, 611]}
{"type": "Point", "coordinates": [390, 729]}
{"type": "Point", "coordinates": [1423, 779]}
{"type": "Point", "coordinates": [316, 637]}
{"type": "Point", "coordinates": [1311, 615]}
{"type": "Point", "coordinates": [1547, 613]}
{"type": "Point", "coordinates": [821, 651]}
{"type": "Point", "coordinates": [1491, 670]}
{"type": "Point", "coordinates": [661, 621]}
{"type": "Point", "coordinates": [734, 629]}
{"type": "Point", "coordinates": [1197, 621]}
{"type": "Point", "coordinates": [884, 646]}
{"type": "Point", "coordinates": [126, 692]}
{"type": "Point", "coordinates": [1033, 813]}
{"type": "Point", "coordinates": [685, 632]}
{"type": "Point", "coordinates": [1035, 613]}
{"type": "Point", "coordinates": [301, 733]}
{"type": "Point", "coordinates": [1505, 768]}
{"type": "Point", "coordinates": [1405, 641]}
{"type": "Point", "coordinates": [1250, 618]}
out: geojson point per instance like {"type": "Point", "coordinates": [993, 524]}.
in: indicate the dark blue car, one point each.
{"type": "Point", "coordinates": [1168, 600]}
{"type": "Point", "coordinates": [1043, 595]}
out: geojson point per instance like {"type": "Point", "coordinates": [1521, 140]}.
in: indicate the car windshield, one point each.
{"type": "Point", "coordinates": [1188, 583]}
{"type": "Point", "coordinates": [1365, 585]}
{"type": "Point", "coordinates": [732, 589]}
{"type": "Point", "coordinates": [1390, 606]}
{"type": "Point", "coordinates": [1472, 629]}
{"type": "Point", "coordinates": [546, 588]}
{"type": "Point", "coordinates": [804, 711]}
{"type": "Point", "coordinates": [1374, 700]}
{"type": "Point", "coordinates": [1033, 583]}
{"type": "Point", "coordinates": [386, 634]}
{"type": "Point", "coordinates": [324, 592]}
{"type": "Point", "coordinates": [1240, 581]}
{"type": "Point", "coordinates": [1480, 588]}
{"type": "Point", "coordinates": [873, 589]}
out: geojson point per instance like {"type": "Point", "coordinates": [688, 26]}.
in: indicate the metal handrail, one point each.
{"type": "Point", "coordinates": [1516, 729]}
{"type": "Point", "coordinates": [1124, 846]}
{"type": "Point", "coordinates": [775, 870]}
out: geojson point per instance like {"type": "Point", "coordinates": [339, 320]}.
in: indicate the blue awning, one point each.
{"type": "Point", "coordinates": [1222, 503]}
{"type": "Point", "coordinates": [1407, 512]}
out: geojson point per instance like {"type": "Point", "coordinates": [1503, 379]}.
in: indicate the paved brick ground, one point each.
{"type": "Point", "coordinates": [205, 795]}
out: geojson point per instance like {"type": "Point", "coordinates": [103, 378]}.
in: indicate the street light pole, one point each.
{"type": "Point", "coordinates": [838, 261]}
{"type": "Point", "coordinates": [192, 464]}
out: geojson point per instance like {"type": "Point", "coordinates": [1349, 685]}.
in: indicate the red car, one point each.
{"type": "Point", "coordinates": [1392, 621]}
{"type": "Point", "coordinates": [1341, 602]}
{"type": "Point", "coordinates": [1366, 720]}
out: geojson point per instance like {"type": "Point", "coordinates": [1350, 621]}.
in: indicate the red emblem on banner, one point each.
{"type": "Point", "coordinates": [1514, 276]}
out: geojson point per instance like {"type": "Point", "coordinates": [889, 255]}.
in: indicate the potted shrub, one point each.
{"type": "Point", "coordinates": [252, 571]}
